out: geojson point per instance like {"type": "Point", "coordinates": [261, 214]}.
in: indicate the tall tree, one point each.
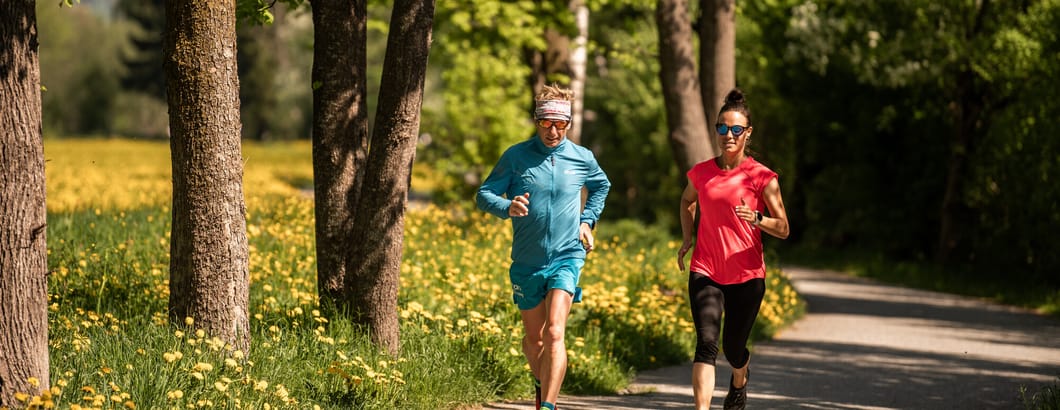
{"type": "Point", "coordinates": [340, 134]}
{"type": "Point", "coordinates": [209, 279]}
{"type": "Point", "coordinates": [579, 59]}
{"type": "Point", "coordinates": [689, 138]}
{"type": "Point", "coordinates": [23, 249]}
{"type": "Point", "coordinates": [360, 193]}
{"type": "Point", "coordinates": [717, 54]}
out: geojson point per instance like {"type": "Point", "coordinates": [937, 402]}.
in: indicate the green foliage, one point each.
{"type": "Point", "coordinates": [259, 12]}
{"type": "Point", "coordinates": [1046, 399]}
{"type": "Point", "coordinates": [881, 97]}
{"type": "Point", "coordinates": [276, 98]}
{"type": "Point", "coordinates": [480, 44]}
{"type": "Point", "coordinates": [627, 130]}
{"type": "Point", "coordinates": [82, 82]}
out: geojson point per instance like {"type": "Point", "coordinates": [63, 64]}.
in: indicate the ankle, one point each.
{"type": "Point", "coordinates": [547, 406]}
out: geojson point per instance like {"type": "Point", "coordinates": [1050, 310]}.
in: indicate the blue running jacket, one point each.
{"type": "Point", "coordinates": [554, 177]}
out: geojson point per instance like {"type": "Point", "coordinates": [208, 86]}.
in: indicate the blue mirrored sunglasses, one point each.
{"type": "Point", "coordinates": [737, 130]}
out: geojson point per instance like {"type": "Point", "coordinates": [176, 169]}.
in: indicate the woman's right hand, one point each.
{"type": "Point", "coordinates": [681, 254]}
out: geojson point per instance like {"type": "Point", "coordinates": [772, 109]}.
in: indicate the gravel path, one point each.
{"type": "Point", "coordinates": [866, 345]}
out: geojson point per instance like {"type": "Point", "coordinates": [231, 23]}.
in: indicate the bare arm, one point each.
{"type": "Point", "coordinates": [689, 200]}
{"type": "Point", "coordinates": [776, 223]}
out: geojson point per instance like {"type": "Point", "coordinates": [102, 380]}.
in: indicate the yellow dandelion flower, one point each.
{"type": "Point", "coordinates": [22, 397]}
{"type": "Point", "coordinates": [189, 321]}
{"type": "Point", "coordinates": [129, 404]}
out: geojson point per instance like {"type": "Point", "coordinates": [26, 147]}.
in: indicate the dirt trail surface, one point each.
{"type": "Point", "coordinates": [866, 345]}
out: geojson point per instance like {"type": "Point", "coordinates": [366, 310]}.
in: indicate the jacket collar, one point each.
{"type": "Point", "coordinates": [542, 149]}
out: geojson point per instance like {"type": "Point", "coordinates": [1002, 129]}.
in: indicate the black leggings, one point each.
{"type": "Point", "coordinates": [740, 303]}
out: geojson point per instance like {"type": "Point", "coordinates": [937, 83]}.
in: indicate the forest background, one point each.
{"type": "Point", "coordinates": [917, 135]}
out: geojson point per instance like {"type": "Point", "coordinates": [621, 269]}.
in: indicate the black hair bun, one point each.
{"type": "Point", "coordinates": [735, 97]}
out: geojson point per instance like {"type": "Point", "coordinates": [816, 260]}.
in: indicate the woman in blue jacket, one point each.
{"type": "Point", "coordinates": [538, 184]}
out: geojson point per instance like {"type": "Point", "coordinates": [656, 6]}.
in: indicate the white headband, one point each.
{"type": "Point", "coordinates": [553, 109]}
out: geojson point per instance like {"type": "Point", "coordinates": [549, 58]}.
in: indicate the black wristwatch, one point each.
{"type": "Point", "coordinates": [758, 218]}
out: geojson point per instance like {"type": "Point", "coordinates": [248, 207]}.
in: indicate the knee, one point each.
{"type": "Point", "coordinates": [554, 334]}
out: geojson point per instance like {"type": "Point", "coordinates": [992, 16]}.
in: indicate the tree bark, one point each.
{"type": "Point", "coordinates": [717, 55]}
{"type": "Point", "coordinates": [23, 216]}
{"type": "Point", "coordinates": [209, 279]}
{"type": "Point", "coordinates": [340, 135]}
{"type": "Point", "coordinates": [689, 139]}
{"type": "Point", "coordinates": [375, 264]}
{"type": "Point", "coordinates": [578, 60]}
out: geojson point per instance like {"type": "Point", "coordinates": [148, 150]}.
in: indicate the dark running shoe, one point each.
{"type": "Point", "coordinates": [537, 394]}
{"type": "Point", "coordinates": [737, 398]}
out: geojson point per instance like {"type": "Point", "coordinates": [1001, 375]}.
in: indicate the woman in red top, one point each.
{"type": "Point", "coordinates": [727, 272]}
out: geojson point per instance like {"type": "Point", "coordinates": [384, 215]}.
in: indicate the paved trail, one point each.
{"type": "Point", "coordinates": [865, 345]}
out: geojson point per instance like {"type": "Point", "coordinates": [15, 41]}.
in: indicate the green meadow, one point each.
{"type": "Point", "coordinates": [112, 346]}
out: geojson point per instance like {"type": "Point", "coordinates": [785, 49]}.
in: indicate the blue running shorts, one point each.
{"type": "Point", "coordinates": [529, 286]}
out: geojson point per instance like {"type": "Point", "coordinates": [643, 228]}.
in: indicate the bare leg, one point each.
{"type": "Point", "coordinates": [553, 365]}
{"type": "Point", "coordinates": [702, 384]}
{"type": "Point", "coordinates": [533, 326]}
{"type": "Point", "coordinates": [739, 376]}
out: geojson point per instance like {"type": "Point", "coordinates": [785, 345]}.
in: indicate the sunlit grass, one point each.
{"type": "Point", "coordinates": [112, 346]}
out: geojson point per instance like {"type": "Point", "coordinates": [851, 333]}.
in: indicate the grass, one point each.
{"type": "Point", "coordinates": [112, 345]}
{"type": "Point", "coordinates": [1048, 398]}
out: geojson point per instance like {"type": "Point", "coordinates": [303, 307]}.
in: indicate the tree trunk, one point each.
{"type": "Point", "coordinates": [340, 135]}
{"type": "Point", "coordinates": [967, 115]}
{"type": "Point", "coordinates": [23, 216]}
{"type": "Point", "coordinates": [374, 265]}
{"type": "Point", "coordinates": [578, 61]}
{"type": "Point", "coordinates": [968, 107]}
{"type": "Point", "coordinates": [208, 253]}
{"type": "Point", "coordinates": [689, 140]}
{"type": "Point", "coordinates": [717, 55]}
